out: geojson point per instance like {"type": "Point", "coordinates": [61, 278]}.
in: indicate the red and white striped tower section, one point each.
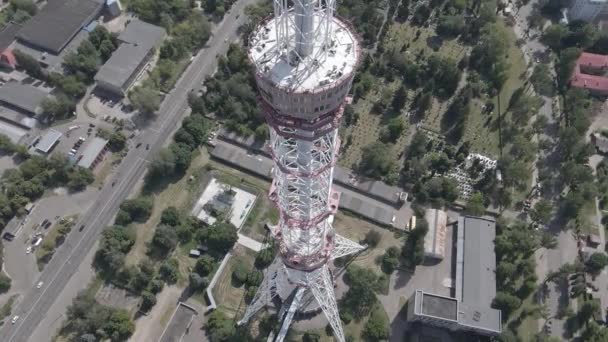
{"type": "Point", "coordinates": [305, 59]}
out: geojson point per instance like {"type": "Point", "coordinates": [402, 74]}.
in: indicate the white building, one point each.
{"type": "Point", "coordinates": [587, 10]}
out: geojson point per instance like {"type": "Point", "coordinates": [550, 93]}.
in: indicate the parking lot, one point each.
{"type": "Point", "coordinates": [109, 107]}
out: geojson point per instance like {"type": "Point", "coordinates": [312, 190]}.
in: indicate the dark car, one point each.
{"type": "Point", "coordinates": [81, 228]}
{"type": "Point", "coordinates": [47, 225]}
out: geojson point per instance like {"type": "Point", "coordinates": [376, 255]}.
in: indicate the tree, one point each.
{"type": "Point", "coordinates": [145, 99]}
{"type": "Point", "coordinates": [79, 178]}
{"type": "Point", "coordinates": [450, 25]}
{"type": "Point", "coordinates": [393, 130]}
{"type": "Point", "coordinates": [311, 336]}
{"type": "Point", "coordinates": [390, 260]}
{"type": "Point", "coordinates": [204, 265]}
{"type": "Point", "coordinates": [398, 100]}
{"type": "Point", "coordinates": [554, 35]}
{"type": "Point", "coordinates": [475, 205]}
{"type": "Point", "coordinates": [377, 326]}
{"type": "Point", "coordinates": [240, 273]}
{"type": "Point", "coordinates": [542, 211]}
{"type": "Point", "coordinates": [169, 270]}
{"type": "Point", "coordinates": [220, 327]}
{"type": "Point", "coordinates": [264, 258]}
{"type": "Point", "coordinates": [372, 238]}
{"type": "Point", "coordinates": [148, 300]}
{"type": "Point", "coordinates": [139, 209]}
{"type": "Point", "coordinates": [548, 240]}
{"type": "Point", "coordinates": [542, 80]}
{"type": "Point", "coordinates": [360, 298]}
{"type": "Point", "coordinates": [375, 161]}
{"type": "Point", "coordinates": [60, 107]}
{"type": "Point", "coordinates": [170, 216]}
{"type": "Point", "coordinates": [117, 141]}
{"type": "Point", "coordinates": [505, 302]}
{"type": "Point", "coordinates": [29, 64]}
{"type": "Point", "coordinates": [197, 282]}
{"type": "Point", "coordinates": [183, 156]}
{"type": "Point", "coordinates": [588, 310]}
{"type": "Point", "coordinates": [163, 165]}
{"type": "Point", "coordinates": [220, 237]}
{"type": "Point", "coordinates": [596, 263]}
{"type": "Point", "coordinates": [5, 283]}
{"type": "Point", "coordinates": [164, 240]}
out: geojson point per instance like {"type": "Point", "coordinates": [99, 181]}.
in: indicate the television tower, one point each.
{"type": "Point", "coordinates": [305, 60]}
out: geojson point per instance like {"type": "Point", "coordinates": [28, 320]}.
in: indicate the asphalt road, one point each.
{"type": "Point", "coordinates": [37, 303]}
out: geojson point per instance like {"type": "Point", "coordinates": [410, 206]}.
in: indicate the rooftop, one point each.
{"type": "Point", "coordinates": [141, 33]}
{"type": "Point", "coordinates": [321, 67]}
{"type": "Point", "coordinates": [138, 39]}
{"type": "Point", "coordinates": [434, 240]}
{"type": "Point", "coordinates": [258, 165]}
{"type": "Point", "coordinates": [437, 306]}
{"type": "Point", "coordinates": [8, 34]}
{"type": "Point", "coordinates": [58, 22]}
{"type": "Point", "coordinates": [366, 209]}
{"type": "Point", "coordinates": [91, 152]}
{"type": "Point", "coordinates": [49, 140]}
{"type": "Point", "coordinates": [479, 278]}
{"type": "Point", "coordinates": [22, 96]}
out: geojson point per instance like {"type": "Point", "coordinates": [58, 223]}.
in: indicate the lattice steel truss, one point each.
{"type": "Point", "coordinates": [304, 149]}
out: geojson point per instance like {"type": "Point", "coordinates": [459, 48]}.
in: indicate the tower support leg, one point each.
{"type": "Point", "coordinates": [266, 292]}
{"type": "Point", "coordinates": [322, 287]}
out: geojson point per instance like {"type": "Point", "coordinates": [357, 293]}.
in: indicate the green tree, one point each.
{"type": "Point", "coordinates": [197, 282]}
{"type": "Point", "coordinates": [596, 263]}
{"type": "Point", "coordinates": [220, 237]}
{"type": "Point", "coordinates": [360, 298]}
{"type": "Point", "coordinates": [475, 205]}
{"type": "Point", "coordinates": [170, 216]}
{"type": "Point", "coordinates": [390, 260]}
{"type": "Point", "coordinates": [220, 327]}
{"type": "Point", "coordinates": [505, 302]}
{"type": "Point", "coordinates": [145, 99]}
{"type": "Point", "coordinates": [139, 208]}
{"type": "Point", "coordinates": [204, 265]}
{"type": "Point", "coordinates": [117, 141]}
{"type": "Point", "coordinates": [451, 25]}
{"type": "Point", "coordinates": [377, 326]}
{"type": "Point", "coordinates": [29, 64]}
{"type": "Point", "coordinates": [163, 165]}
{"type": "Point", "coordinates": [79, 178]}
{"type": "Point", "coordinates": [375, 161]}
{"type": "Point", "coordinates": [5, 283]}
{"type": "Point", "coordinates": [164, 240]}
{"type": "Point", "coordinates": [169, 270]}
{"type": "Point", "coordinates": [541, 212]}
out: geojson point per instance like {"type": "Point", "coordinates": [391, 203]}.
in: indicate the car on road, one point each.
{"type": "Point", "coordinates": [138, 144]}
{"type": "Point", "coordinates": [81, 228]}
{"type": "Point", "coordinates": [14, 320]}
{"type": "Point", "coordinates": [39, 285]}
{"type": "Point", "coordinates": [28, 250]}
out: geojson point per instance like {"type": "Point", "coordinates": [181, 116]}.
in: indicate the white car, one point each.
{"type": "Point", "coordinates": [39, 285]}
{"type": "Point", "coordinates": [14, 320]}
{"type": "Point", "coordinates": [28, 250]}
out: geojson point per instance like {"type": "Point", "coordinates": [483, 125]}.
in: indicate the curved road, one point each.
{"type": "Point", "coordinates": [36, 303]}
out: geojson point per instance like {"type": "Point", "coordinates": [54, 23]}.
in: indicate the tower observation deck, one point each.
{"type": "Point", "coordinates": [305, 59]}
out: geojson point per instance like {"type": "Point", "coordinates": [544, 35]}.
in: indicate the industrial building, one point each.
{"type": "Point", "coordinates": [587, 10]}
{"type": "Point", "coordinates": [58, 22]}
{"type": "Point", "coordinates": [7, 36]}
{"type": "Point", "coordinates": [93, 153]}
{"type": "Point", "coordinates": [23, 98]}
{"type": "Point", "coordinates": [475, 286]}
{"type": "Point", "coordinates": [138, 43]}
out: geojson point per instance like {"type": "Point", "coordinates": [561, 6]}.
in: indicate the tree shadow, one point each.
{"type": "Point", "coordinates": [434, 42]}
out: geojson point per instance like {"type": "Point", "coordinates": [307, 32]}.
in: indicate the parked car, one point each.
{"type": "Point", "coordinates": [39, 285]}
{"type": "Point", "coordinates": [14, 320]}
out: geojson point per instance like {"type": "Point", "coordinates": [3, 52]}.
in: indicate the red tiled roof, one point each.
{"type": "Point", "coordinates": [593, 60]}
{"type": "Point", "coordinates": [587, 81]}
{"type": "Point", "coordinates": [8, 57]}
{"type": "Point", "coordinates": [592, 82]}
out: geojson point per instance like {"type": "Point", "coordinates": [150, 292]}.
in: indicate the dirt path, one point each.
{"type": "Point", "coordinates": [149, 328]}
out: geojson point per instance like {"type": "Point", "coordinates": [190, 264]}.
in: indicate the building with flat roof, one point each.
{"type": "Point", "coordinates": [434, 240]}
{"type": "Point", "coordinates": [48, 141]}
{"type": "Point", "coordinates": [7, 36]}
{"type": "Point", "coordinates": [22, 97]}
{"type": "Point", "coordinates": [470, 310]}
{"type": "Point", "coordinates": [138, 43]}
{"type": "Point", "coordinates": [93, 153]}
{"type": "Point", "coordinates": [54, 26]}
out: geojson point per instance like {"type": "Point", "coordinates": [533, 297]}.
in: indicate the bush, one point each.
{"type": "Point", "coordinates": [390, 260]}
{"type": "Point", "coordinates": [311, 336]}
{"type": "Point", "coordinates": [168, 270]}
{"type": "Point", "coordinates": [377, 326]}
{"type": "Point", "coordinates": [254, 278]}
{"type": "Point", "coordinates": [264, 258]}
{"type": "Point", "coordinates": [372, 238]}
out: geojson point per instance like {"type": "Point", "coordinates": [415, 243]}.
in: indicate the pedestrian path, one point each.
{"type": "Point", "coordinates": [250, 243]}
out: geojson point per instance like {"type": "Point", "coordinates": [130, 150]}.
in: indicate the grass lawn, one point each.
{"type": "Point", "coordinates": [229, 297]}
{"type": "Point", "coordinates": [355, 229]}
{"type": "Point", "coordinates": [45, 251]}
{"type": "Point", "coordinates": [179, 194]}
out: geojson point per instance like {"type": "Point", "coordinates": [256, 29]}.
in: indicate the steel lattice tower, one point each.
{"type": "Point", "coordinates": [305, 59]}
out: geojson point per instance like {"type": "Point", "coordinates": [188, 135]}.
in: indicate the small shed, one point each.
{"type": "Point", "coordinates": [194, 253]}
